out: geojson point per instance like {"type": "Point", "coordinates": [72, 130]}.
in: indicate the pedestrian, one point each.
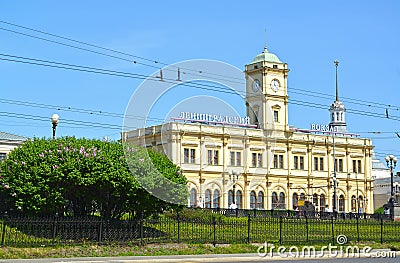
{"type": "Point", "coordinates": [327, 209]}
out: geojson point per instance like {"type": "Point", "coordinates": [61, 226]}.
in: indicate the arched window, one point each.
{"type": "Point", "coordinates": [341, 203]}
{"type": "Point", "coordinates": [282, 204]}
{"type": "Point", "coordinates": [239, 200]}
{"type": "Point", "coordinates": [253, 201]}
{"type": "Point", "coordinates": [207, 199]}
{"type": "Point", "coordinates": [260, 201]}
{"type": "Point", "coordinates": [193, 197]}
{"type": "Point", "coordinates": [230, 197]}
{"type": "Point", "coordinates": [353, 204]}
{"type": "Point", "coordinates": [322, 203]}
{"type": "Point", "coordinates": [295, 200]}
{"type": "Point", "coordinates": [274, 200]}
{"type": "Point", "coordinates": [315, 200]}
{"type": "Point", "coordinates": [216, 199]}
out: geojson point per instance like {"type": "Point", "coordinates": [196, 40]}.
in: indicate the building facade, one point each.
{"type": "Point", "coordinates": [267, 164]}
{"type": "Point", "coordinates": [8, 142]}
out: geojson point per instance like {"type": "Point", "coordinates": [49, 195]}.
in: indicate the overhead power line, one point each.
{"type": "Point", "coordinates": [156, 62]}
{"type": "Point", "coordinates": [134, 58]}
{"type": "Point", "coordinates": [203, 86]}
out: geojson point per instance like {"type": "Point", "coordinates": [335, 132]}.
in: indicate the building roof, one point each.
{"type": "Point", "coordinates": [377, 164]}
{"type": "Point", "coordinates": [266, 56]}
{"type": "Point", "coordinates": [4, 136]}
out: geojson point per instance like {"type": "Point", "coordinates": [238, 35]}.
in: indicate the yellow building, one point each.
{"type": "Point", "coordinates": [261, 162]}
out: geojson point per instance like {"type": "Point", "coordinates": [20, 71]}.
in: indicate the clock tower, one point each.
{"type": "Point", "coordinates": [266, 92]}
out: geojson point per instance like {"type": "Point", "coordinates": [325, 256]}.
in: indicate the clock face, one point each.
{"type": "Point", "coordinates": [256, 85]}
{"type": "Point", "coordinates": [275, 84]}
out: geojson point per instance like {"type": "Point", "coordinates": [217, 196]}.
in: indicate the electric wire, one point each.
{"type": "Point", "coordinates": [102, 71]}
{"type": "Point", "coordinates": [48, 63]}
{"type": "Point", "coordinates": [229, 78]}
{"type": "Point", "coordinates": [194, 72]}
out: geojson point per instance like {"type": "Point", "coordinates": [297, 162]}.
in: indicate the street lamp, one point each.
{"type": "Point", "coordinates": [233, 177]}
{"type": "Point", "coordinates": [391, 162]}
{"type": "Point", "coordinates": [54, 121]}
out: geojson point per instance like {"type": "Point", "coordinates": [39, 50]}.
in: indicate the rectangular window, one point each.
{"type": "Point", "coordinates": [189, 155]}
{"type": "Point", "coordinates": [318, 164]}
{"type": "Point", "coordinates": [298, 162]}
{"type": "Point", "coordinates": [354, 166]}
{"type": "Point", "coordinates": [301, 166]}
{"type": "Point", "coordinates": [254, 159]}
{"type": "Point", "coordinates": [212, 157]}
{"type": "Point", "coordinates": [275, 161]}
{"type": "Point", "coordinates": [281, 161]}
{"type": "Point", "coordinates": [216, 158]}
{"type": "Point", "coordinates": [2, 156]}
{"type": "Point", "coordinates": [315, 163]}
{"type": "Point", "coordinates": [209, 157]}
{"type": "Point", "coordinates": [359, 166]}
{"type": "Point", "coordinates": [295, 162]}
{"type": "Point", "coordinates": [339, 165]}
{"type": "Point", "coordinates": [276, 116]}
{"type": "Point", "coordinates": [260, 162]}
{"type": "Point", "coordinates": [192, 155]}
{"type": "Point", "coordinates": [238, 159]}
{"type": "Point", "coordinates": [186, 155]}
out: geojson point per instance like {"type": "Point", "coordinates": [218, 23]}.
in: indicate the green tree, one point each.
{"type": "Point", "coordinates": [80, 177]}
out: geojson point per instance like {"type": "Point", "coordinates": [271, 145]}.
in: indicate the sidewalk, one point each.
{"type": "Point", "coordinates": [202, 258]}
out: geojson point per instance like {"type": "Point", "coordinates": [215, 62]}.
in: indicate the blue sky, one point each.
{"type": "Point", "coordinates": [308, 35]}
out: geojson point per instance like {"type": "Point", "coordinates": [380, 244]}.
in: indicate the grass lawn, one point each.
{"type": "Point", "coordinates": [148, 250]}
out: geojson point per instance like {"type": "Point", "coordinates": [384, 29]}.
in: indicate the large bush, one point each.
{"type": "Point", "coordinates": [79, 177]}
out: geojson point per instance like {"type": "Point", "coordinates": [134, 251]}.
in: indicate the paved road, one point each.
{"type": "Point", "coordinates": [380, 257]}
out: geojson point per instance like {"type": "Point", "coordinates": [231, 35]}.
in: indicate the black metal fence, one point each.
{"type": "Point", "coordinates": [223, 226]}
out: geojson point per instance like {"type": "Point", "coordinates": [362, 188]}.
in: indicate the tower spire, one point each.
{"type": "Point", "coordinates": [265, 38]}
{"type": "Point", "coordinates": [337, 110]}
{"type": "Point", "coordinates": [337, 88]}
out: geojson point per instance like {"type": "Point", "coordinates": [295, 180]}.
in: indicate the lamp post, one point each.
{"type": "Point", "coordinates": [358, 196]}
{"type": "Point", "coordinates": [333, 144]}
{"type": "Point", "coordinates": [391, 162]}
{"type": "Point", "coordinates": [233, 177]}
{"type": "Point", "coordinates": [54, 121]}
{"type": "Point", "coordinates": [334, 179]}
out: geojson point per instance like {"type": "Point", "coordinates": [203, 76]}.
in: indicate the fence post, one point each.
{"type": "Point", "coordinates": [333, 230]}
{"type": "Point", "coordinates": [141, 228]}
{"type": "Point", "coordinates": [55, 228]}
{"type": "Point", "coordinates": [306, 228]}
{"type": "Point", "coordinates": [179, 227]}
{"type": "Point", "coordinates": [280, 229]}
{"type": "Point", "coordinates": [3, 234]}
{"type": "Point", "coordinates": [248, 229]}
{"type": "Point", "coordinates": [381, 229]}
{"type": "Point", "coordinates": [215, 231]}
{"type": "Point", "coordinates": [358, 229]}
{"type": "Point", "coordinates": [100, 230]}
